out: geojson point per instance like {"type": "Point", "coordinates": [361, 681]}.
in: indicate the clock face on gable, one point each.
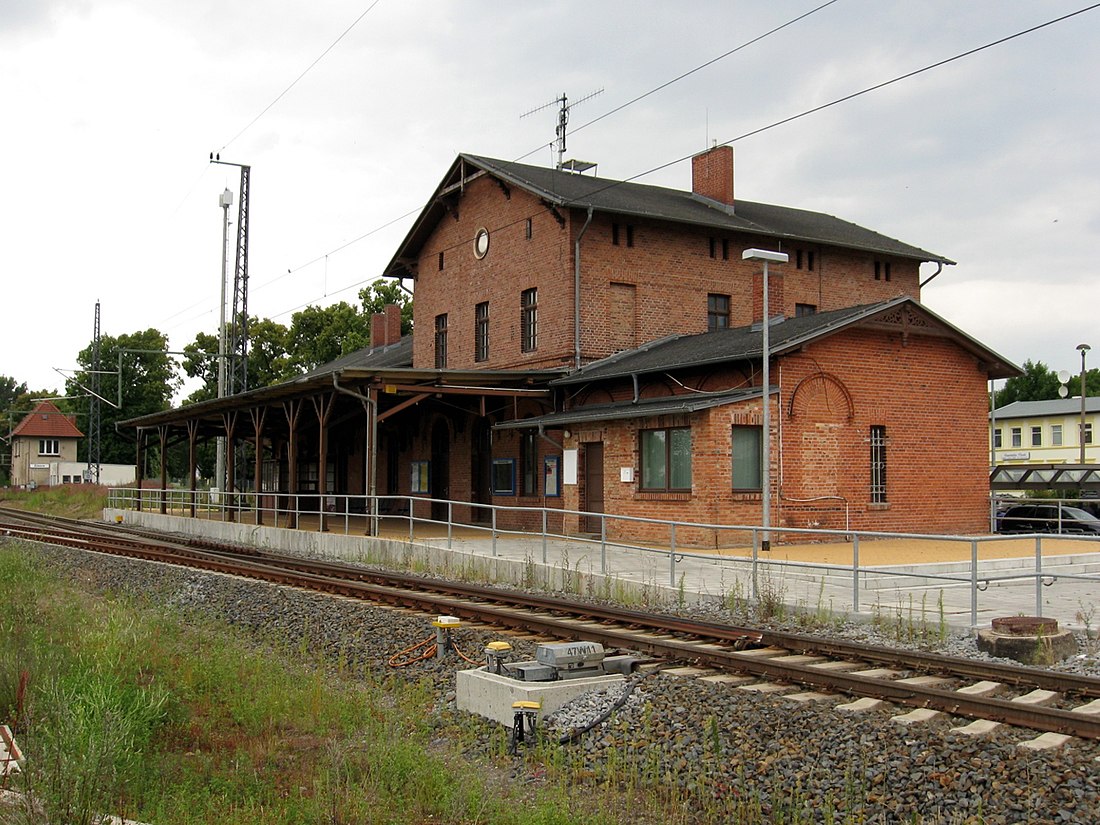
{"type": "Point", "coordinates": [481, 243]}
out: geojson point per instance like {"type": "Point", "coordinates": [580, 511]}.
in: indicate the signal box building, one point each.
{"type": "Point", "coordinates": [42, 441]}
{"type": "Point", "coordinates": [592, 345]}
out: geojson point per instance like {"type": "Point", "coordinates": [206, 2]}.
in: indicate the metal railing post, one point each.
{"type": "Point", "coordinates": [494, 528]}
{"type": "Point", "coordinates": [544, 535]}
{"type": "Point", "coordinates": [450, 523]}
{"type": "Point", "coordinates": [603, 543]}
{"type": "Point", "coordinates": [1038, 575]}
{"type": "Point", "coordinates": [855, 572]}
{"type": "Point", "coordinates": [755, 562]}
{"type": "Point", "coordinates": [412, 503]}
{"type": "Point", "coordinates": [973, 583]}
{"type": "Point", "coordinates": [672, 555]}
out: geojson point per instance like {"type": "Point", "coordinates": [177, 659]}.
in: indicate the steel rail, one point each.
{"type": "Point", "coordinates": [723, 655]}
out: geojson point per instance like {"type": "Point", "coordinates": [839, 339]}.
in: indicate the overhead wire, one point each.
{"type": "Point", "coordinates": [743, 136]}
{"type": "Point", "coordinates": [305, 71]}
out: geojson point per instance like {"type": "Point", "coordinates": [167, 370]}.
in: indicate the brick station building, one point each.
{"type": "Point", "coordinates": [593, 345]}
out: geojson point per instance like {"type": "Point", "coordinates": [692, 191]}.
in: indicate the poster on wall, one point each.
{"type": "Point", "coordinates": [420, 477]}
{"type": "Point", "coordinates": [569, 469]}
{"type": "Point", "coordinates": [551, 472]}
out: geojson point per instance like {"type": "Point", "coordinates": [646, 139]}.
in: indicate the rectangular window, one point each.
{"type": "Point", "coordinates": [441, 341]}
{"type": "Point", "coordinates": [1088, 433]}
{"type": "Point", "coordinates": [420, 478]}
{"type": "Point", "coordinates": [527, 230]}
{"type": "Point", "coordinates": [666, 459]}
{"type": "Point", "coordinates": [1055, 435]}
{"type": "Point", "coordinates": [718, 312]}
{"type": "Point", "coordinates": [630, 234]}
{"type": "Point", "coordinates": [725, 249]}
{"type": "Point", "coordinates": [801, 310]}
{"type": "Point", "coordinates": [504, 477]}
{"type": "Point", "coordinates": [882, 270]}
{"type": "Point", "coordinates": [481, 332]}
{"type": "Point", "coordinates": [798, 259]}
{"type": "Point", "coordinates": [49, 446]}
{"type": "Point", "coordinates": [1017, 437]}
{"type": "Point", "coordinates": [528, 463]}
{"type": "Point", "coordinates": [529, 319]}
{"type": "Point", "coordinates": [714, 247]}
{"type": "Point", "coordinates": [1036, 436]}
{"type": "Point", "coordinates": [997, 438]}
{"type": "Point", "coordinates": [440, 261]}
{"type": "Point", "coordinates": [878, 464]}
{"type": "Point", "coordinates": [810, 260]}
{"type": "Point", "coordinates": [615, 234]}
{"type": "Point", "coordinates": [747, 458]}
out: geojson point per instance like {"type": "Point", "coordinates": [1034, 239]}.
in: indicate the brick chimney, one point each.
{"type": "Point", "coordinates": [385, 327]}
{"type": "Point", "coordinates": [712, 174]}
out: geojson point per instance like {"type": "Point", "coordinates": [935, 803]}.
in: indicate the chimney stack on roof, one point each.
{"type": "Point", "coordinates": [385, 327]}
{"type": "Point", "coordinates": [712, 175]}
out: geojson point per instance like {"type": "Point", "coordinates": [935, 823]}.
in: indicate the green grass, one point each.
{"type": "Point", "coordinates": [132, 711]}
{"type": "Point", "coordinates": [83, 501]}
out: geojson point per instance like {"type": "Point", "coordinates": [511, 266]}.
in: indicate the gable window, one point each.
{"type": "Point", "coordinates": [529, 319]}
{"type": "Point", "coordinates": [747, 458]}
{"type": "Point", "coordinates": [49, 446]}
{"type": "Point", "coordinates": [481, 332]}
{"type": "Point", "coordinates": [441, 341]}
{"type": "Point", "coordinates": [1036, 436]}
{"type": "Point", "coordinates": [528, 464]}
{"type": "Point", "coordinates": [718, 312]}
{"type": "Point", "coordinates": [801, 310]}
{"type": "Point", "coordinates": [666, 459]}
{"type": "Point", "coordinates": [1055, 435]}
{"type": "Point", "coordinates": [878, 464]}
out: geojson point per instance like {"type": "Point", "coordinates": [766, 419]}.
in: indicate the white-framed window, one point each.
{"type": "Point", "coordinates": [1017, 437]}
{"type": "Point", "coordinates": [997, 438]}
{"type": "Point", "coordinates": [878, 464]}
{"type": "Point", "coordinates": [529, 319]}
{"type": "Point", "coordinates": [1036, 436]}
{"type": "Point", "coordinates": [49, 446]}
{"type": "Point", "coordinates": [1056, 435]}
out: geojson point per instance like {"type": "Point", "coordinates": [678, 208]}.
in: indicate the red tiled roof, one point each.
{"type": "Point", "coordinates": [47, 421]}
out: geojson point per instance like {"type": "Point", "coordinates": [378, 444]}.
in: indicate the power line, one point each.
{"type": "Point", "coordinates": [751, 133]}
{"type": "Point", "coordinates": [320, 57]}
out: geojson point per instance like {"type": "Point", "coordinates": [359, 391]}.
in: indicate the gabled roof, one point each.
{"type": "Point", "coordinates": [570, 190]}
{"type": "Point", "coordinates": [785, 335]}
{"type": "Point", "coordinates": [1040, 409]}
{"type": "Point", "coordinates": [391, 356]}
{"type": "Point", "coordinates": [46, 421]}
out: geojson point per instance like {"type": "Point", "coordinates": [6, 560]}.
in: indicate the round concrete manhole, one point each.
{"type": "Point", "coordinates": [1025, 626]}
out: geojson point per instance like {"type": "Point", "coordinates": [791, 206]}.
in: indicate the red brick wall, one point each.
{"type": "Point", "coordinates": [668, 270]}
{"type": "Point", "coordinates": [928, 393]}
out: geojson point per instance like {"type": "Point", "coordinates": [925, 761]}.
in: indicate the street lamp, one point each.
{"type": "Point", "coordinates": [1083, 348]}
{"type": "Point", "coordinates": [225, 200]}
{"type": "Point", "coordinates": [767, 256]}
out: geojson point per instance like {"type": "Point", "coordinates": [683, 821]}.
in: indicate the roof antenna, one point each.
{"type": "Point", "coordinates": [563, 119]}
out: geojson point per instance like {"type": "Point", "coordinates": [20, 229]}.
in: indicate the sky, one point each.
{"type": "Point", "coordinates": [349, 112]}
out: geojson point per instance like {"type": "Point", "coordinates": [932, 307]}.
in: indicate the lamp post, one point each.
{"type": "Point", "coordinates": [225, 200]}
{"type": "Point", "coordinates": [1083, 348]}
{"type": "Point", "coordinates": [767, 256]}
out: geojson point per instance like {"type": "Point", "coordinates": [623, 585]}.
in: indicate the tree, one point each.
{"type": "Point", "coordinates": [267, 359]}
{"type": "Point", "coordinates": [1037, 383]}
{"type": "Point", "coordinates": [148, 380]}
{"type": "Point", "coordinates": [388, 291]}
{"type": "Point", "coordinates": [318, 335]}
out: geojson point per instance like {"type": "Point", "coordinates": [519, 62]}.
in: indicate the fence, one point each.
{"type": "Point", "coordinates": [980, 566]}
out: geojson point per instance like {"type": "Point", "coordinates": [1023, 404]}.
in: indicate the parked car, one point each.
{"type": "Point", "coordinates": [1047, 518]}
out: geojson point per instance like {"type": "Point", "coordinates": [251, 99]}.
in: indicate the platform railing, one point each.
{"type": "Point", "coordinates": [532, 530]}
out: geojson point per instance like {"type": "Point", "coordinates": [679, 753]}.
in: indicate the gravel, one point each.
{"type": "Point", "coordinates": [718, 750]}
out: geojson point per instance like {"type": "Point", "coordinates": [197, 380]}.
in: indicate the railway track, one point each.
{"type": "Point", "coordinates": [1034, 698]}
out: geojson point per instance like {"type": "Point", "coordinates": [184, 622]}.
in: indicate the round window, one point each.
{"type": "Point", "coordinates": [481, 243]}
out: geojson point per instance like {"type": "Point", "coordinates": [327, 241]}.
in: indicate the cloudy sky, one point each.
{"type": "Point", "coordinates": [111, 108]}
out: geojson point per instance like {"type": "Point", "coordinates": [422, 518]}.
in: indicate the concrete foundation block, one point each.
{"type": "Point", "coordinates": [489, 695]}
